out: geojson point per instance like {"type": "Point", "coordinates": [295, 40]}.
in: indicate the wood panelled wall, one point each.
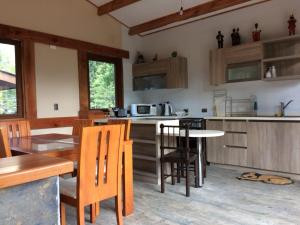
{"type": "Point", "coordinates": [27, 39]}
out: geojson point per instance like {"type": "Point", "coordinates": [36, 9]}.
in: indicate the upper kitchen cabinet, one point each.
{"type": "Point", "coordinates": [235, 64]}
{"type": "Point", "coordinates": [161, 74]}
{"type": "Point", "coordinates": [283, 56]}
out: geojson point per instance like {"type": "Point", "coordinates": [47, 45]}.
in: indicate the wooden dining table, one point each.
{"type": "Point", "coordinates": [67, 147]}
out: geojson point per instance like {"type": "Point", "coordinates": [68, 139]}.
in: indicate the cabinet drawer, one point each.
{"type": "Point", "coordinates": [142, 131]}
{"type": "Point", "coordinates": [144, 165]}
{"type": "Point", "coordinates": [235, 126]}
{"type": "Point", "coordinates": [235, 156]}
{"type": "Point", "coordinates": [236, 140]}
{"type": "Point", "coordinates": [144, 149]}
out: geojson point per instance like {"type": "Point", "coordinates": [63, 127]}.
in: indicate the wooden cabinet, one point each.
{"type": "Point", "coordinates": [239, 63]}
{"type": "Point", "coordinates": [243, 53]}
{"type": "Point", "coordinates": [166, 73]}
{"type": "Point", "coordinates": [274, 146]}
{"type": "Point", "coordinates": [270, 145]}
{"type": "Point", "coordinates": [217, 67]}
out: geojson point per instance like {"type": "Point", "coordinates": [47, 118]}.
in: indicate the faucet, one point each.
{"type": "Point", "coordinates": [283, 107]}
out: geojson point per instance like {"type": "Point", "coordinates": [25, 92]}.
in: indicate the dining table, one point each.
{"type": "Point", "coordinates": [198, 134]}
{"type": "Point", "coordinates": [67, 147]}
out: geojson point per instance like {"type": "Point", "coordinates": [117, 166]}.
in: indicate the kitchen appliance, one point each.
{"type": "Point", "coordinates": [167, 109]}
{"type": "Point", "coordinates": [119, 112]}
{"type": "Point", "coordinates": [143, 110]}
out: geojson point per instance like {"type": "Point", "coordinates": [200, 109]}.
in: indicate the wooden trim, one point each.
{"type": "Point", "coordinates": [54, 122]}
{"type": "Point", "coordinates": [202, 9]}
{"type": "Point", "coordinates": [114, 5]}
{"type": "Point", "coordinates": [83, 84]}
{"type": "Point", "coordinates": [11, 32]}
{"type": "Point", "coordinates": [29, 81]}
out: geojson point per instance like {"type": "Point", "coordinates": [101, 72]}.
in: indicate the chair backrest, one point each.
{"type": "Point", "coordinates": [174, 138]}
{"type": "Point", "coordinates": [17, 128]}
{"type": "Point", "coordinates": [100, 163]}
{"type": "Point", "coordinates": [4, 145]}
{"type": "Point", "coordinates": [127, 124]}
{"type": "Point", "coordinates": [81, 123]}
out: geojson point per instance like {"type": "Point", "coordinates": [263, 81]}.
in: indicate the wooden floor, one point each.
{"type": "Point", "coordinates": [223, 200]}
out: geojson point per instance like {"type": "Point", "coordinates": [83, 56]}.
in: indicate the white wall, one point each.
{"type": "Point", "coordinates": [196, 39]}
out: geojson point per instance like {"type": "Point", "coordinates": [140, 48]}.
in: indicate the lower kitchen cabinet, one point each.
{"type": "Point", "coordinates": [267, 145]}
{"type": "Point", "coordinates": [274, 146]}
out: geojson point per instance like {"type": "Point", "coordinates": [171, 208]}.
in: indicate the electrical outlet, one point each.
{"type": "Point", "coordinates": [204, 110]}
{"type": "Point", "coordinates": [55, 106]}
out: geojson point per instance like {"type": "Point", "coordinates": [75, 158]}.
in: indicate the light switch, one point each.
{"type": "Point", "coordinates": [55, 107]}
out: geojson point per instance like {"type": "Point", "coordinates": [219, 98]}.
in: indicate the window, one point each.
{"type": "Point", "coordinates": [105, 82]}
{"type": "Point", "coordinates": [10, 79]}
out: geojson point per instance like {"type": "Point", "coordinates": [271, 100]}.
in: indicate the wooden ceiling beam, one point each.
{"type": "Point", "coordinates": [114, 5]}
{"type": "Point", "coordinates": [202, 9]}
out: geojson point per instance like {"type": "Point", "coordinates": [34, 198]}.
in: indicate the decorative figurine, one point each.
{"type": "Point", "coordinates": [220, 38]}
{"type": "Point", "coordinates": [155, 58]}
{"type": "Point", "coordinates": [256, 33]}
{"type": "Point", "coordinates": [235, 37]}
{"type": "Point", "coordinates": [292, 25]}
{"type": "Point", "coordinates": [140, 58]}
{"type": "Point", "coordinates": [174, 54]}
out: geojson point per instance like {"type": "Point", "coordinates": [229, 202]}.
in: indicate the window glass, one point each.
{"type": "Point", "coordinates": [8, 79]}
{"type": "Point", "coordinates": [102, 84]}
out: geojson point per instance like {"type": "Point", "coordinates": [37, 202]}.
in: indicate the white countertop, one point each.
{"type": "Point", "coordinates": [144, 120]}
{"type": "Point", "coordinates": [256, 118]}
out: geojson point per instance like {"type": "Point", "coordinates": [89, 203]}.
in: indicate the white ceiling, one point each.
{"type": "Point", "coordinates": [146, 10]}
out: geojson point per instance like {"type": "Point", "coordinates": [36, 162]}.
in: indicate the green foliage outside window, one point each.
{"type": "Point", "coordinates": [102, 85]}
{"type": "Point", "coordinates": [8, 95]}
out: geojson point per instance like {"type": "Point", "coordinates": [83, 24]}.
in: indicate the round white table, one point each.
{"type": "Point", "coordinates": [200, 134]}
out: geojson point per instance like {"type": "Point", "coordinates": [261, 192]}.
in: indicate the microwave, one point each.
{"type": "Point", "coordinates": [143, 110]}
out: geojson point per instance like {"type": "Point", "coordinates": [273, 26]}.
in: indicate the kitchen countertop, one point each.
{"type": "Point", "coordinates": [144, 120]}
{"type": "Point", "coordinates": [256, 118]}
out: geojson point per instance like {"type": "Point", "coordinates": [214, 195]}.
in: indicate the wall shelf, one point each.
{"type": "Point", "coordinates": [275, 59]}
{"type": "Point", "coordinates": [279, 78]}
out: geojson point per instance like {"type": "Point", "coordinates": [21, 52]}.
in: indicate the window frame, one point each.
{"type": "Point", "coordinates": [119, 95]}
{"type": "Point", "coordinates": [19, 79]}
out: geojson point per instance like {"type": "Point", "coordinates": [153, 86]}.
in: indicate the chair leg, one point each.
{"type": "Point", "coordinates": [62, 213]}
{"type": "Point", "coordinates": [182, 169]}
{"type": "Point", "coordinates": [172, 174]}
{"type": "Point", "coordinates": [187, 181]}
{"type": "Point", "coordinates": [178, 172]}
{"type": "Point", "coordinates": [118, 202]}
{"type": "Point", "coordinates": [93, 213]}
{"type": "Point", "coordinates": [162, 177]}
{"type": "Point", "coordinates": [80, 215]}
{"type": "Point", "coordinates": [97, 208]}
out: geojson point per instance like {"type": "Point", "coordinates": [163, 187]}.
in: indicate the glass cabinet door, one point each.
{"type": "Point", "coordinates": [243, 72]}
{"type": "Point", "coordinates": [158, 81]}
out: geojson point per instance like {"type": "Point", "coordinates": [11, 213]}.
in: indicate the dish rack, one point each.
{"type": "Point", "coordinates": [241, 107]}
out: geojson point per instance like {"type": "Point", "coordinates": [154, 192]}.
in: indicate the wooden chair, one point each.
{"type": "Point", "coordinates": [99, 172]}
{"type": "Point", "coordinates": [81, 123]}
{"type": "Point", "coordinates": [4, 145]}
{"type": "Point", "coordinates": [175, 149]}
{"type": "Point", "coordinates": [125, 122]}
{"type": "Point", "coordinates": [17, 128]}
{"type": "Point", "coordinates": [127, 168]}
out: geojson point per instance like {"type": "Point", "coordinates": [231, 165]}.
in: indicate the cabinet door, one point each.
{"type": "Point", "coordinates": [215, 146]}
{"type": "Point", "coordinates": [243, 53]}
{"type": "Point", "coordinates": [177, 74]}
{"type": "Point", "coordinates": [217, 67]}
{"type": "Point", "coordinates": [274, 146]}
